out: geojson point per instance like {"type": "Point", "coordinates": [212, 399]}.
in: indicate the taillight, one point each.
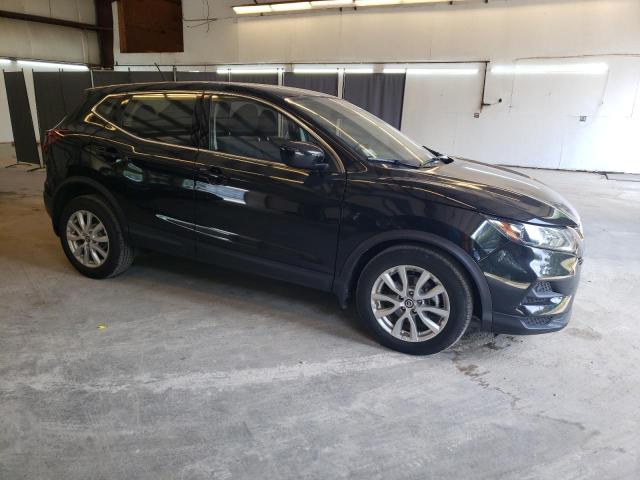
{"type": "Point", "coordinates": [51, 137]}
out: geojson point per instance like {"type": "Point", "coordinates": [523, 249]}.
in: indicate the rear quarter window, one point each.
{"type": "Point", "coordinates": [167, 118]}
{"type": "Point", "coordinates": [110, 108]}
{"type": "Point", "coordinates": [161, 117]}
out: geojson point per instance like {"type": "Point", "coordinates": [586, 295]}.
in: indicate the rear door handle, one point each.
{"type": "Point", "coordinates": [110, 153]}
{"type": "Point", "coordinates": [213, 175]}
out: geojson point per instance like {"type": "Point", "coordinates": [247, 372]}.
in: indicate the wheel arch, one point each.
{"type": "Point", "coordinates": [73, 187]}
{"type": "Point", "coordinates": [345, 282]}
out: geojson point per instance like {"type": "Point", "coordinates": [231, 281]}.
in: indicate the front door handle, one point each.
{"type": "Point", "coordinates": [213, 175]}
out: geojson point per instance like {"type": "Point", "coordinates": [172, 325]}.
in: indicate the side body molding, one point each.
{"type": "Point", "coordinates": [344, 278]}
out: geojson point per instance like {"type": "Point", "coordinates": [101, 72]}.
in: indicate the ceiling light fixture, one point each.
{"type": "Point", "coordinates": [251, 9]}
{"type": "Point", "coordinates": [552, 69]}
{"type": "Point", "coordinates": [330, 3]}
{"type": "Point", "coordinates": [375, 3]}
{"type": "Point", "coordinates": [358, 69]}
{"type": "Point", "coordinates": [442, 71]}
{"type": "Point", "coordinates": [4, 61]}
{"type": "Point", "coordinates": [435, 70]}
{"type": "Point", "coordinates": [63, 66]}
{"type": "Point", "coordinates": [284, 7]}
{"type": "Point", "coordinates": [248, 70]}
{"type": "Point", "coordinates": [314, 69]}
{"type": "Point", "coordinates": [290, 7]}
{"type": "Point", "coordinates": [408, 2]}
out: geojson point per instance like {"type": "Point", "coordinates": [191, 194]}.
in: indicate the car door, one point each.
{"type": "Point", "coordinates": [257, 213]}
{"type": "Point", "coordinates": [149, 149]}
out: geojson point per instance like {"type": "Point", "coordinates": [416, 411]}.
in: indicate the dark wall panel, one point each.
{"type": "Point", "coordinates": [201, 76]}
{"type": "Point", "coordinates": [21, 120]}
{"type": "Point", "coordinates": [58, 94]}
{"type": "Point", "coordinates": [109, 77]}
{"type": "Point", "coordinates": [379, 93]}
{"type": "Point", "coordinates": [150, 76]}
{"type": "Point", "coordinates": [316, 82]}
{"type": "Point", "coordinates": [74, 85]}
{"type": "Point", "coordinates": [49, 100]}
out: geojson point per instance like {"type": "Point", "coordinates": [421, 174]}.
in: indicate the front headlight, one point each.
{"type": "Point", "coordinates": [563, 239]}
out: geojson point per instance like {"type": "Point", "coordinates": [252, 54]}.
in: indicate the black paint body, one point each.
{"type": "Point", "coordinates": [318, 228]}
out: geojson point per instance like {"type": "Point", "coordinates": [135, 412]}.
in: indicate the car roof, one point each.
{"type": "Point", "coordinates": [272, 91]}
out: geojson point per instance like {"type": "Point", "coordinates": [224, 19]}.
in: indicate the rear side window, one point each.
{"type": "Point", "coordinates": [167, 117]}
{"type": "Point", "coordinates": [161, 117]}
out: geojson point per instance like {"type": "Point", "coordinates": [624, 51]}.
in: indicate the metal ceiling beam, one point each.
{"type": "Point", "coordinates": [53, 21]}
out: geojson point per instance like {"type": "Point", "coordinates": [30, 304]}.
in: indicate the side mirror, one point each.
{"type": "Point", "coordinates": [303, 155]}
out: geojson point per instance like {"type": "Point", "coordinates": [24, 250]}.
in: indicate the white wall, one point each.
{"type": "Point", "coordinates": [49, 42]}
{"type": "Point", "coordinates": [501, 30]}
{"type": "Point", "coordinates": [30, 40]}
{"type": "Point", "coordinates": [538, 122]}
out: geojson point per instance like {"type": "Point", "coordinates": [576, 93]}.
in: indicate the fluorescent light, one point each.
{"type": "Point", "coordinates": [314, 69]}
{"type": "Point", "coordinates": [287, 7]}
{"type": "Point", "coordinates": [247, 70]}
{"type": "Point", "coordinates": [373, 3]}
{"type": "Point", "coordinates": [64, 66]}
{"type": "Point", "coordinates": [280, 7]}
{"type": "Point", "coordinates": [358, 70]}
{"type": "Point", "coordinates": [431, 70]}
{"type": "Point", "coordinates": [551, 69]}
{"type": "Point", "coordinates": [424, 1]}
{"type": "Point", "coordinates": [331, 69]}
{"type": "Point", "coordinates": [330, 3]}
{"type": "Point", "coordinates": [4, 61]}
{"type": "Point", "coordinates": [442, 71]}
{"type": "Point", "coordinates": [247, 9]}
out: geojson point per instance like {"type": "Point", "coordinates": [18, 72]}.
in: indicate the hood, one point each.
{"type": "Point", "coordinates": [492, 190]}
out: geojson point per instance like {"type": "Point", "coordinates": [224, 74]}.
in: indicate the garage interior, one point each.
{"type": "Point", "coordinates": [180, 370]}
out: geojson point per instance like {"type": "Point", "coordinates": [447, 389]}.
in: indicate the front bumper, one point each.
{"type": "Point", "coordinates": [517, 325]}
{"type": "Point", "coordinates": [532, 289]}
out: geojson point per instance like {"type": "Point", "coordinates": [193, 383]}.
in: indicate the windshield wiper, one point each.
{"type": "Point", "coordinates": [433, 152]}
{"type": "Point", "coordinates": [438, 157]}
{"type": "Point", "coordinates": [442, 158]}
{"type": "Point", "coordinates": [391, 161]}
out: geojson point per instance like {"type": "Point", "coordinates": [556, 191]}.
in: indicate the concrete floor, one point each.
{"type": "Point", "coordinates": [205, 373]}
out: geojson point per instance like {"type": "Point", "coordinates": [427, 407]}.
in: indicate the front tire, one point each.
{"type": "Point", "coordinates": [415, 300]}
{"type": "Point", "coordinates": [93, 239]}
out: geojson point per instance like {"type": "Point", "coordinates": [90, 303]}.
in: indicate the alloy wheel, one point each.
{"type": "Point", "coordinates": [410, 303]}
{"type": "Point", "coordinates": [87, 238]}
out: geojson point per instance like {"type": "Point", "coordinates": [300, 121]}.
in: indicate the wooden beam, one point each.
{"type": "Point", "coordinates": [104, 18]}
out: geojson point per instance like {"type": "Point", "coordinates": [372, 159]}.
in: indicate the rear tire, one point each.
{"type": "Point", "coordinates": [415, 300]}
{"type": "Point", "coordinates": [93, 239]}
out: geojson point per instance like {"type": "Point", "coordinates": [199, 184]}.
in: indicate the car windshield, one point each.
{"type": "Point", "coordinates": [364, 132]}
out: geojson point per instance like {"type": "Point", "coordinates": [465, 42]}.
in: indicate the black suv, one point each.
{"type": "Point", "coordinates": [307, 188]}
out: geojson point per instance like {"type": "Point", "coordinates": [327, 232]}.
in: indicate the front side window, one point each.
{"type": "Point", "coordinates": [244, 127]}
{"type": "Point", "coordinates": [161, 117]}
